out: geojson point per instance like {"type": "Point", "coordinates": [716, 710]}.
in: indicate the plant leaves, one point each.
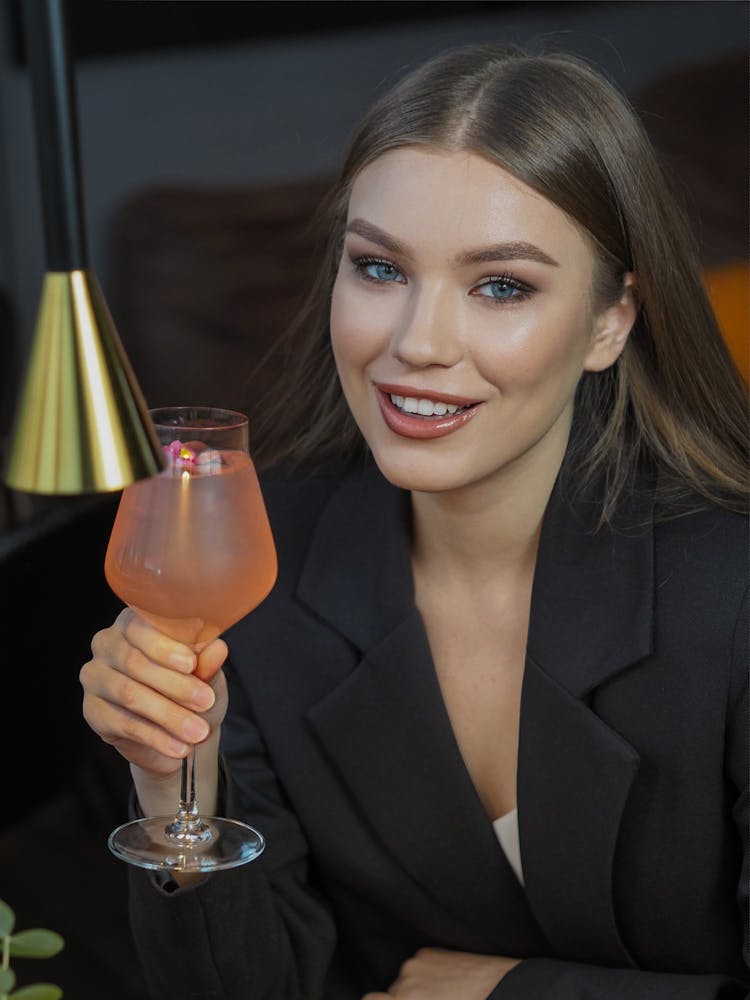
{"type": "Point", "coordinates": [7, 980]}
{"type": "Point", "coordinates": [7, 919]}
{"type": "Point", "coordinates": [36, 943]}
{"type": "Point", "coordinates": [38, 991]}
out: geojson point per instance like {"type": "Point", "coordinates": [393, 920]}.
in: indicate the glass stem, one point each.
{"type": "Point", "coordinates": [187, 827]}
{"type": "Point", "coordinates": [187, 798]}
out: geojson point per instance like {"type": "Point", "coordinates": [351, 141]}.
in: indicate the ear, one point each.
{"type": "Point", "coordinates": [612, 327]}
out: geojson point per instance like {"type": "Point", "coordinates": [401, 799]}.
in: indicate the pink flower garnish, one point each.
{"type": "Point", "coordinates": [179, 455]}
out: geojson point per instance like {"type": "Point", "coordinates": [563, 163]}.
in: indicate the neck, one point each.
{"type": "Point", "coordinates": [485, 529]}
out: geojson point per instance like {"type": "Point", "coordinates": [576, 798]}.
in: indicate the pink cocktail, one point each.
{"type": "Point", "coordinates": [191, 550]}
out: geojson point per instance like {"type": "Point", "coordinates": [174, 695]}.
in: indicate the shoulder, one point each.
{"type": "Point", "coordinates": [294, 501]}
{"type": "Point", "coordinates": [710, 546]}
{"type": "Point", "coordinates": [295, 498]}
{"type": "Point", "coordinates": [321, 521]}
{"type": "Point", "coordinates": [335, 502]}
{"type": "Point", "coordinates": [703, 544]}
{"type": "Point", "coordinates": [702, 566]}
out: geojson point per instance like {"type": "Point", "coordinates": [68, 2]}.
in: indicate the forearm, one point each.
{"type": "Point", "coordinates": [244, 932]}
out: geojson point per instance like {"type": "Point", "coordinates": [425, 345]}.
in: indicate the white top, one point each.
{"type": "Point", "coordinates": [506, 830]}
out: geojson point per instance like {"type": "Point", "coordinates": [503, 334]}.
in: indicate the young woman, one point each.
{"type": "Point", "coordinates": [493, 717]}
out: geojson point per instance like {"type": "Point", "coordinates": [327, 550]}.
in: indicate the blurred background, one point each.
{"type": "Point", "coordinates": [209, 132]}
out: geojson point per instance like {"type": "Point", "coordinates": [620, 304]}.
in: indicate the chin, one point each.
{"type": "Point", "coordinates": [427, 475]}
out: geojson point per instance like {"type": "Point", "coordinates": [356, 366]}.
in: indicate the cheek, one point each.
{"type": "Point", "coordinates": [538, 349]}
{"type": "Point", "coordinates": [348, 344]}
{"type": "Point", "coordinates": [358, 330]}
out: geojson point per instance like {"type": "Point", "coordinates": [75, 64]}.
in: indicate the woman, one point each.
{"type": "Point", "coordinates": [492, 719]}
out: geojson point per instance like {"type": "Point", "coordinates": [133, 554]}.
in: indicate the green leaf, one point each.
{"type": "Point", "coordinates": [7, 919]}
{"type": "Point", "coordinates": [39, 991]}
{"type": "Point", "coordinates": [7, 980]}
{"type": "Point", "coordinates": [36, 943]}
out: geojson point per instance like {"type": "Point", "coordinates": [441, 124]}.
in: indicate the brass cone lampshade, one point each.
{"type": "Point", "coordinates": [81, 424]}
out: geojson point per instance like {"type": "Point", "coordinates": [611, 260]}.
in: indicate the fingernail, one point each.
{"type": "Point", "coordinates": [177, 748]}
{"type": "Point", "coordinates": [195, 730]}
{"type": "Point", "coordinates": [204, 698]}
{"type": "Point", "coordinates": [182, 661]}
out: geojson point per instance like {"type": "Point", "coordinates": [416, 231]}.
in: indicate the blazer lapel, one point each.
{"type": "Point", "coordinates": [591, 617]}
{"type": "Point", "coordinates": [385, 727]}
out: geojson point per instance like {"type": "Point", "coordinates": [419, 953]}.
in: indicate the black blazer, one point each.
{"type": "Point", "coordinates": [632, 772]}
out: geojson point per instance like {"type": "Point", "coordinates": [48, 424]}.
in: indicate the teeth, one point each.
{"type": "Point", "coordinates": [424, 407]}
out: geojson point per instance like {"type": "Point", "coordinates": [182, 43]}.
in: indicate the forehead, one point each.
{"type": "Point", "coordinates": [458, 200]}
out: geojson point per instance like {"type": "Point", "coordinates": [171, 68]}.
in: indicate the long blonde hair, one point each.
{"type": "Point", "coordinates": [674, 401]}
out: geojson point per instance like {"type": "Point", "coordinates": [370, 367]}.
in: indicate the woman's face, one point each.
{"type": "Point", "coordinates": [461, 320]}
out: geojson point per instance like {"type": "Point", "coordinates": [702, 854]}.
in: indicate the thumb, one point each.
{"type": "Point", "coordinates": [210, 659]}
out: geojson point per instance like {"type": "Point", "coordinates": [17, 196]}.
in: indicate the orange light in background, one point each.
{"type": "Point", "coordinates": [729, 290]}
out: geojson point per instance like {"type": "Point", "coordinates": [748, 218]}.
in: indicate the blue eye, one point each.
{"type": "Point", "coordinates": [503, 289]}
{"type": "Point", "coordinates": [374, 269]}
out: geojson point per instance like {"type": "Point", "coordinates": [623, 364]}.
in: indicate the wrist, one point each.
{"type": "Point", "coordinates": [158, 794]}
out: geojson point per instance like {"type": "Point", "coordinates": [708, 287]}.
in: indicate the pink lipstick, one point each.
{"type": "Point", "coordinates": [414, 425]}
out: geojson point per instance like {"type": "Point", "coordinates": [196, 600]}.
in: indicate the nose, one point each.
{"type": "Point", "coordinates": [428, 331]}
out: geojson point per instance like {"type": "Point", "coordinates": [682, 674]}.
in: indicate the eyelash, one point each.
{"type": "Point", "coordinates": [521, 289]}
{"type": "Point", "coordinates": [362, 263]}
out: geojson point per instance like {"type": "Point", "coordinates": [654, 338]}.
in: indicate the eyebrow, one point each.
{"type": "Point", "coordinates": [510, 250]}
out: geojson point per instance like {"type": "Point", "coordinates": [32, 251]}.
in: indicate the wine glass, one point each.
{"type": "Point", "coordinates": [191, 550]}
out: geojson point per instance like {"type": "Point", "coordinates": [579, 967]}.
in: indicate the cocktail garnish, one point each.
{"type": "Point", "coordinates": [186, 459]}
{"type": "Point", "coordinates": [179, 455]}
{"type": "Point", "coordinates": [209, 461]}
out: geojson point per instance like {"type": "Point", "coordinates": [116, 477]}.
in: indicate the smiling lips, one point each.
{"type": "Point", "coordinates": [423, 416]}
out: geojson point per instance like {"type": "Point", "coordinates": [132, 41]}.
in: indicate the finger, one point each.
{"type": "Point", "coordinates": [149, 760]}
{"type": "Point", "coordinates": [152, 694]}
{"type": "Point", "coordinates": [129, 732]}
{"type": "Point", "coordinates": [118, 680]}
{"type": "Point", "coordinates": [211, 659]}
{"type": "Point", "coordinates": [155, 644]}
{"type": "Point", "coordinates": [143, 636]}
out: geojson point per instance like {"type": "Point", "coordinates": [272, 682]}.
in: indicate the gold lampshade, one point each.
{"type": "Point", "coordinates": [82, 424]}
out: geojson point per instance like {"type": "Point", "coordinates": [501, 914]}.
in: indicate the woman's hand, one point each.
{"type": "Point", "coordinates": [151, 697]}
{"type": "Point", "coordinates": [439, 974]}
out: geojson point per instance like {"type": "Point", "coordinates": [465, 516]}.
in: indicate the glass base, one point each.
{"type": "Point", "coordinates": [227, 843]}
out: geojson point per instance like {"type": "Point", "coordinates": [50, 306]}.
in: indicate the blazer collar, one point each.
{"type": "Point", "coordinates": [588, 620]}
{"type": "Point", "coordinates": [358, 574]}
{"type": "Point", "coordinates": [593, 592]}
